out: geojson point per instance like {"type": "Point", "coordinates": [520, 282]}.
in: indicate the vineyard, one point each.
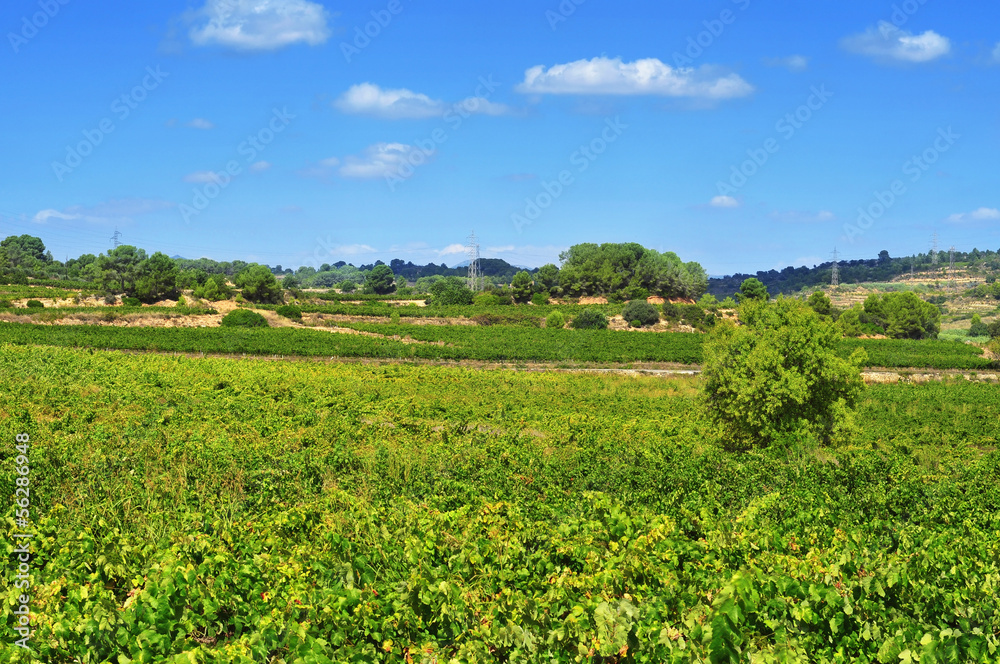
{"type": "Point", "coordinates": [501, 343]}
{"type": "Point", "coordinates": [212, 510]}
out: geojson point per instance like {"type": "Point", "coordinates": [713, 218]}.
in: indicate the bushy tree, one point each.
{"type": "Point", "coordinates": [978, 327]}
{"type": "Point", "coordinates": [214, 288]}
{"type": "Point", "coordinates": [259, 285]}
{"type": "Point", "coordinates": [777, 377]}
{"type": "Point", "coordinates": [820, 303]}
{"type": "Point", "coordinates": [521, 286]}
{"type": "Point", "coordinates": [117, 270]}
{"type": "Point", "coordinates": [642, 312]}
{"type": "Point", "coordinates": [451, 291]}
{"type": "Point", "coordinates": [752, 289]}
{"type": "Point", "coordinates": [547, 278]}
{"type": "Point", "coordinates": [621, 270]}
{"type": "Point", "coordinates": [902, 315]}
{"type": "Point", "coordinates": [155, 278]}
{"type": "Point", "coordinates": [555, 321]}
{"type": "Point", "coordinates": [244, 318]}
{"type": "Point", "coordinates": [380, 280]}
{"type": "Point", "coordinates": [590, 319]}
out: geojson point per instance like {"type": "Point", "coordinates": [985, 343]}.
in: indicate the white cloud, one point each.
{"type": "Point", "coordinates": [200, 123]}
{"type": "Point", "coordinates": [377, 161]}
{"type": "Point", "coordinates": [606, 76]}
{"type": "Point", "coordinates": [996, 53]}
{"type": "Point", "coordinates": [44, 215]}
{"type": "Point", "coordinates": [793, 63]}
{"type": "Point", "coordinates": [353, 250]}
{"type": "Point", "coordinates": [982, 214]}
{"type": "Point", "coordinates": [888, 43]}
{"type": "Point", "coordinates": [259, 166]}
{"type": "Point", "coordinates": [506, 249]}
{"type": "Point", "coordinates": [399, 104]}
{"type": "Point", "coordinates": [259, 25]}
{"type": "Point", "coordinates": [202, 177]}
{"type": "Point", "coordinates": [724, 202]}
{"type": "Point", "coordinates": [108, 212]}
{"type": "Point", "coordinates": [370, 99]}
{"type": "Point", "coordinates": [453, 249]}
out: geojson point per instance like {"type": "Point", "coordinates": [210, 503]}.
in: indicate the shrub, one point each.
{"type": "Point", "coordinates": [35, 304]}
{"type": "Point", "coordinates": [394, 317]}
{"type": "Point", "coordinates": [540, 299]}
{"type": "Point", "coordinates": [555, 321]}
{"type": "Point", "coordinates": [451, 291]}
{"type": "Point", "coordinates": [671, 311]}
{"type": "Point", "coordinates": [777, 377]}
{"type": "Point", "coordinates": [181, 301]}
{"type": "Point", "coordinates": [693, 314]}
{"type": "Point", "coordinates": [111, 299]}
{"type": "Point", "coordinates": [993, 330]}
{"type": "Point", "coordinates": [131, 302]}
{"type": "Point", "coordinates": [5, 304]}
{"type": "Point", "coordinates": [289, 311]}
{"type": "Point", "coordinates": [590, 319]}
{"type": "Point", "coordinates": [244, 318]}
{"type": "Point", "coordinates": [978, 328]}
{"type": "Point", "coordinates": [641, 312]}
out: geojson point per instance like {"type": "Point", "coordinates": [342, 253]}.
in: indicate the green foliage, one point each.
{"type": "Point", "coordinates": [131, 302]}
{"type": "Point", "coordinates": [978, 328]}
{"type": "Point", "coordinates": [289, 311]}
{"type": "Point", "coordinates": [521, 287]}
{"type": "Point", "coordinates": [540, 299]}
{"type": "Point", "coordinates": [347, 286]}
{"type": "Point", "coordinates": [259, 284]}
{"type": "Point", "coordinates": [6, 304]}
{"type": "Point", "coordinates": [641, 312]}
{"type": "Point", "coordinates": [671, 311]}
{"type": "Point", "coordinates": [547, 279]}
{"type": "Point", "coordinates": [590, 319]}
{"type": "Point", "coordinates": [451, 291]}
{"type": "Point", "coordinates": [214, 288]}
{"type": "Point", "coordinates": [708, 301]}
{"type": "Point", "coordinates": [181, 301]}
{"type": "Point", "coordinates": [728, 303]}
{"type": "Point", "coordinates": [243, 318]}
{"type": "Point", "coordinates": [820, 303]}
{"type": "Point", "coordinates": [993, 330]}
{"type": "Point", "coordinates": [902, 316]}
{"type": "Point", "coordinates": [34, 304]}
{"type": "Point", "coordinates": [380, 280]}
{"type": "Point", "coordinates": [752, 289]}
{"type": "Point", "coordinates": [777, 377]}
{"type": "Point", "coordinates": [555, 321]}
{"type": "Point", "coordinates": [221, 510]}
{"type": "Point", "coordinates": [155, 278]}
{"type": "Point", "coordinates": [624, 271]}
{"type": "Point", "coordinates": [290, 282]}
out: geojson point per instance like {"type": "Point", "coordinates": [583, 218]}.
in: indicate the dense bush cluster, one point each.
{"type": "Point", "coordinates": [243, 318]}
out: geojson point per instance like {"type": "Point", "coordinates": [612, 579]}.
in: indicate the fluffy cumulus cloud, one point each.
{"type": "Point", "coordinates": [793, 63]}
{"type": "Point", "coordinates": [982, 214]}
{"type": "Point", "coordinates": [259, 25]}
{"type": "Point", "coordinates": [370, 99]}
{"type": "Point", "coordinates": [399, 104]}
{"type": "Point", "coordinates": [453, 249]}
{"type": "Point", "coordinates": [377, 161]}
{"type": "Point", "coordinates": [724, 202]}
{"type": "Point", "coordinates": [889, 43]}
{"type": "Point", "coordinates": [607, 76]}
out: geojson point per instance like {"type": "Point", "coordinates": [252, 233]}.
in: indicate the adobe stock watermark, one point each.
{"type": "Point", "coordinates": [21, 555]}
{"type": "Point", "coordinates": [714, 28]}
{"type": "Point", "coordinates": [914, 168]}
{"type": "Point", "coordinates": [30, 26]}
{"type": "Point", "coordinates": [562, 13]}
{"type": "Point", "coordinates": [787, 127]}
{"type": "Point", "coordinates": [427, 147]}
{"type": "Point", "coordinates": [901, 14]}
{"type": "Point", "coordinates": [582, 159]}
{"type": "Point", "coordinates": [122, 107]}
{"type": "Point", "coordinates": [381, 19]}
{"type": "Point", "coordinates": [249, 149]}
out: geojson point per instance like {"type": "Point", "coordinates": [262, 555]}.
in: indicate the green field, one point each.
{"type": "Point", "coordinates": [225, 510]}
{"type": "Point", "coordinates": [454, 342]}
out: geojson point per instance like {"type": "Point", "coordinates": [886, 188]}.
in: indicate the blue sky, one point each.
{"type": "Point", "coordinates": [741, 134]}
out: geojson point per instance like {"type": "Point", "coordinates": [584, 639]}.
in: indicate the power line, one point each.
{"type": "Point", "coordinates": [835, 273]}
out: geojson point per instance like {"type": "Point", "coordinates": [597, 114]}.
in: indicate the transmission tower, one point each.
{"type": "Point", "coordinates": [475, 276]}
{"type": "Point", "coordinates": [835, 273]}
{"type": "Point", "coordinates": [934, 251]}
{"type": "Point", "coordinates": [951, 259]}
{"type": "Point", "coordinates": [115, 237]}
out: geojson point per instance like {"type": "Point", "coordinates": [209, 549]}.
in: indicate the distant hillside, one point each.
{"type": "Point", "coordinates": [882, 268]}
